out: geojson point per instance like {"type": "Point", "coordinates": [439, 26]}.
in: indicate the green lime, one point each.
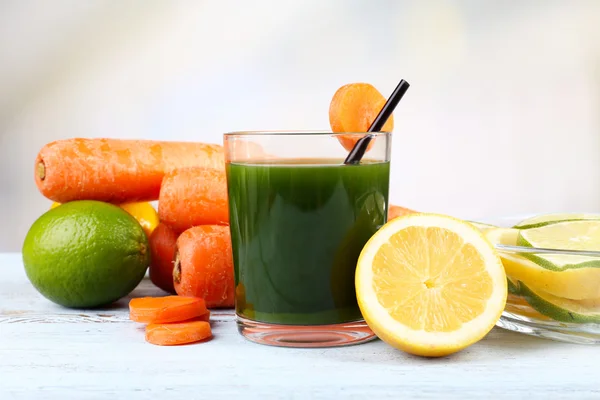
{"type": "Point", "coordinates": [560, 309]}
{"type": "Point", "coordinates": [85, 254]}
{"type": "Point", "coordinates": [546, 219]}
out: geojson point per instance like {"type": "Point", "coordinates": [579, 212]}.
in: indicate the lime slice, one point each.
{"type": "Point", "coordinates": [513, 285]}
{"type": "Point", "coordinates": [546, 219]}
{"type": "Point", "coordinates": [567, 235]}
{"type": "Point", "coordinates": [517, 305]}
{"type": "Point", "coordinates": [571, 283]}
{"type": "Point", "coordinates": [560, 309]}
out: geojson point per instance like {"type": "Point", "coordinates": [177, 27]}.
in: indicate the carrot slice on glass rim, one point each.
{"type": "Point", "coordinates": [353, 108]}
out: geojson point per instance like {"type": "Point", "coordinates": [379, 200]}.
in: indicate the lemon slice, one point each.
{"type": "Point", "coordinates": [560, 309]}
{"type": "Point", "coordinates": [506, 236]}
{"type": "Point", "coordinates": [430, 285]}
{"type": "Point", "coordinates": [575, 284]}
{"type": "Point", "coordinates": [570, 283]}
{"type": "Point", "coordinates": [546, 219]}
{"type": "Point", "coordinates": [516, 304]}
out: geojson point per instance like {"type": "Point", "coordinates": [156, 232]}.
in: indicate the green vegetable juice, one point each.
{"type": "Point", "coordinates": [297, 229]}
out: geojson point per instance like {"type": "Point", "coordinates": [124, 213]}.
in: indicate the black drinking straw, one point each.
{"type": "Point", "coordinates": [359, 149]}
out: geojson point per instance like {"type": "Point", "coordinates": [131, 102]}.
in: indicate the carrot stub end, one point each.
{"type": "Point", "coordinates": [177, 268]}
{"type": "Point", "coordinates": [41, 170]}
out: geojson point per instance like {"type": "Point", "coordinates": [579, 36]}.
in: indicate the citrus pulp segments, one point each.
{"type": "Point", "coordinates": [417, 340]}
{"type": "Point", "coordinates": [546, 219]}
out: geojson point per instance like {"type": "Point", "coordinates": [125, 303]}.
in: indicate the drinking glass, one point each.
{"type": "Point", "coordinates": [299, 218]}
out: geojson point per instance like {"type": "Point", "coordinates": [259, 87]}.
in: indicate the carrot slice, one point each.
{"type": "Point", "coordinates": [165, 309]}
{"type": "Point", "coordinates": [115, 170]}
{"type": "Point", "coordinates": [204, 317]}
{"type": "Point", "coordinates": [162, 247]}
{"type": "Point", "coordinates": [204, 265]}
{"type": "Point", "coordinates": [193, 196]}
{"type": "Point", "coordinates": [353, 109]}
{"type": "Point", "coordinates": [178, 333]}
{"type": "Point", "coordinates": [397, 211]}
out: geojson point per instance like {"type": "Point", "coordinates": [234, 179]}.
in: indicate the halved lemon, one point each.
{"type": "Point", "coordinates": [430, 284]}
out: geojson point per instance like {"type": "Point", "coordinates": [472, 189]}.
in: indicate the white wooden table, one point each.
{"type": "Point", "coordinates": [49, 352]}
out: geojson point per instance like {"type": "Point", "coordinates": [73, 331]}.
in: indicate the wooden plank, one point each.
{"type": "Point", "coordinates": [48, 352]}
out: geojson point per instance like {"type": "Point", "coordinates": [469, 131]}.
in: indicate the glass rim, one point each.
{"type": "Point", "coordinates": [265, 133]}
{"type": "Point", "coordinates": [541, 250]}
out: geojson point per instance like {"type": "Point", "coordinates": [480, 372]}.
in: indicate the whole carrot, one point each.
{"type": "Point", "coordinates": [193, 196]}
{"type": "Point", "coordinates": [162, 247]}
{"type": "Point", "coordinates": [115, 170]}
{"type": "Point", "coordinates": [204, 265]}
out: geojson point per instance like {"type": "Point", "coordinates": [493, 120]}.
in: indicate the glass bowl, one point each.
{"type": "Point", "coordinates": [553, 303]}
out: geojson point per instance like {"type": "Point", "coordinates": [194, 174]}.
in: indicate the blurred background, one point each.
{"type": "Point", "coordinates": [502, 117]}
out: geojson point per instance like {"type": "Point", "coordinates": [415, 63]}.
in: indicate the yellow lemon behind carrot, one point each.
{"type": "Point", "coordinates": [143, 212]}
